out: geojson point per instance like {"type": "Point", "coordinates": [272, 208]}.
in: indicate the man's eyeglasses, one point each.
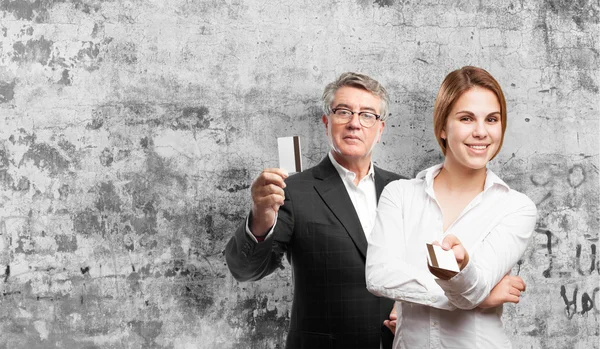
{"type": "Point", "coordinates": [343, 116]}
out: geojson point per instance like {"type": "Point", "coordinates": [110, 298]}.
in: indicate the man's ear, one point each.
{"type": "Point", "coordinates": [325, 121]}
{"type": "Point", "coordinates": [381, 131]}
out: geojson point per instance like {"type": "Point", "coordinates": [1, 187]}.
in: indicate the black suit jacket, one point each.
{"type": "Point", "coordinates": [320, 233]}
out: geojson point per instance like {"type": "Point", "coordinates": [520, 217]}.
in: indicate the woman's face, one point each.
{"type": "Point", "coordinates": [473, 130]}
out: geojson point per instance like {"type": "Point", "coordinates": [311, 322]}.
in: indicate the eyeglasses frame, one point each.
{"type": "Point", "coordinates": [359, 113]}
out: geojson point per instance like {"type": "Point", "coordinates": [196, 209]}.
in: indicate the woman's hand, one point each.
{"type": "Point", "coordinates": [451, 242]}
{"type": "Point", "coordinates": [391, 322]}
{"type": "Point", "coordinates": [508, 290]}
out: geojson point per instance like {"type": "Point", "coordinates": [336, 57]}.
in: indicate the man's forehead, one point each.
{"type": "Point", "coordinates": [350, 96]}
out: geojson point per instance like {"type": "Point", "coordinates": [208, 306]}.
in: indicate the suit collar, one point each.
{"type": "Point", "coordinates": [346, 174]}
{"type": "Point", "coordinates": [381, 180]}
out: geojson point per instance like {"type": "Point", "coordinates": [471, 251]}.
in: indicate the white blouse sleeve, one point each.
{"type": "Point", "coordinates": [388, 274]}
{"type": "Point", "coordinates": [494, 257]}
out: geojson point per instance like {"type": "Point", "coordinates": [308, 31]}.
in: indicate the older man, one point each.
{"type": "Point", "coordinates": [321, 219]}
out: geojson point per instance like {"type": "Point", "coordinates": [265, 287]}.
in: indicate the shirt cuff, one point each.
{"type": "Point", "coordinates": [462, 282]}
{"type": "Point", "coordinates": [258, 239]}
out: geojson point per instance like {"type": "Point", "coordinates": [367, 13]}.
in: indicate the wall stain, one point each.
{"type": "Point", "coordinates": [90, 221]}
{"type": "Point", "coordinates": [87, 7]}
{"type": "Point", "coordinates": [384, 3]}
{"type": "Point", "coordinates": [23, 184]}
{"type": "Point", "coordinates": [97, 28]}
{"type": "Point", "coordinates": [209, 225]}
{"type": "Point", "coordinates": [160, 172]}
{"type": "Point", "coordinates": [189, 222]}
{"type": "Point", "coordinates": [128, 240]}
{"type": "Point", "coordinates": [64, 191]}
{"type": "Point", "coordinates": [106, 157]}
{"type": "Point", "coordinates": [7, 91]}
{"type": "Point", "coordinates": [235, 218]}
{"type": "Point", "coordinates": [65, 78]}
{"type": "Point", "coordinates": [142, 216]}
{"type": "Point", "coordinates": [25, 245]}
{"type": "Point", "coordinates": [582, 12]}
{"type": "Point", "coordinates": [23, 138]}
{"type": "Point", "coordinates": [24, 9]}
{"type": "Point", "coordinates": [192, 118]}
{"type": "Point", "coordinates": [66, 243]}
{"type": "Point", "coordinates": [145, 223]}
{"type": "Point", "coordinates": [146, 142]}
{"type": "Point", "coordinates": [232, 177]}
{"type": "Point", "coordinates": [260, 322]}
{"type": "Point", "coordinates": [4, 158]}
{"type": "Point", "coordinates": [198, 298]}
{"type": "Point", "coordinates": [124, 52]}
{"type": "Point", "coordinates": [173, 116]}
{"type": "Point", "coordinates": [587, 83]}
{"type": "Point", "coordinates": [67, 146]}
{"type": "Point", "coordinates": [134, 113]}
{"type": "Point", "coordinates": [97, 120]}
{"type": "Point", "coordinates": [133, 281]}
{"type": "Point", "coordinates": [576, 176]}
{"type": "Point", "coordinates": [541, 328]}
{"type": "Point", "coordinates": [34, 50]}
{"type": "Point", "coordinates": [47, 157]}
{"type": "Point", "coordinates": [108, 199]}
{"type": "Point", "coordinates": [6, 179]}
{"type": "Point", "coordinates": [234, 188]}
{"type": "Point", "coordinates": [148, 330]}
{"type": "Point", "coordinates": [89, 54]}
{"type": "Point", "coordinates": [37, 10]}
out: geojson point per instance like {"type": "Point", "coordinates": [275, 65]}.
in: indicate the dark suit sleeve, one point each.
{"type": "Point", "coordinates": [248, 260]}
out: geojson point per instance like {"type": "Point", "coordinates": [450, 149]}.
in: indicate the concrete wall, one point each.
{"type": "Point", "coordinates": [130, 132]}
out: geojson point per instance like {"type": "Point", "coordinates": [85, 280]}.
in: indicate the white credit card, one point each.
{"type": "Point", "coordinates": [439, 258]}
{"type": "Point", "coordinates": [290, 158]}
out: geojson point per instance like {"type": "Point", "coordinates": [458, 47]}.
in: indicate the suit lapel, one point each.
{"type": "Point", "coordinates": [380, 182]}
{"type": "Point", "coordinates": [334, 194]}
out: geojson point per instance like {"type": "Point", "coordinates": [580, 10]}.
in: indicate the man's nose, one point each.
{"type": "Point", "coordinates": [355, 121]}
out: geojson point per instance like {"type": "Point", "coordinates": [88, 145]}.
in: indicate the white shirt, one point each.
{"type": "Point", "coordinates": [494, 227]}
{"type": "Point", "coordinates": [363, 195]}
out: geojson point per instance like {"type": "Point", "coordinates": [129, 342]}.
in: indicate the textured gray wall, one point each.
{"type": "Point", "coordinates": [131, 130]}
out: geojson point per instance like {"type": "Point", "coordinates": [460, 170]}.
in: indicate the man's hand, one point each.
{"type": "Point", "coordinates": [391, 323]}
{"type": "Point", "coordinates": [508, 290]}
{"type": "Point", "coordinates": [451, 242]}
{"type": "Point", "coordinates": [267, 197]}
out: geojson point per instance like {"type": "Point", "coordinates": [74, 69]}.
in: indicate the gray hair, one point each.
{"type": "Point", "coordinates": [360, 81]}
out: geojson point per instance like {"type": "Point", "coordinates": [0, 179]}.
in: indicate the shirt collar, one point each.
{"type": "Point", "coordinates": [429, 174]}
{"type": "Point", "coordinates": [345, 173]}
